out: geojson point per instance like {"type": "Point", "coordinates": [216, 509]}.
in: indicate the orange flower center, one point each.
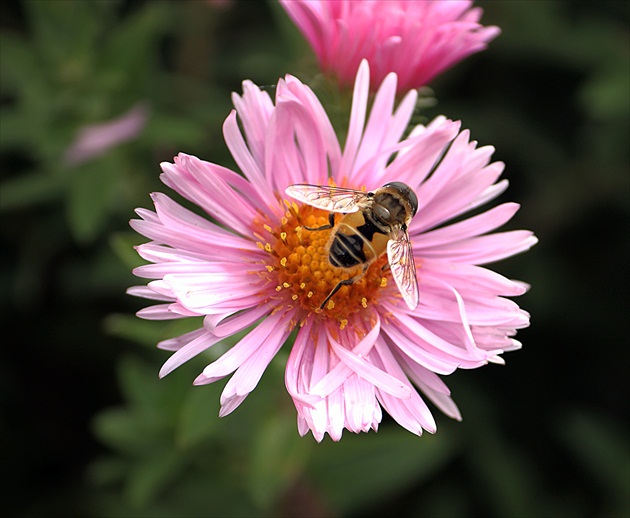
{"type": "Point", "coordinates": [299, 266]}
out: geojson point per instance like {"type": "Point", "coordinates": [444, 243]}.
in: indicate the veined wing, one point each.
{"type": "Point", "coordinates": [332, 199]}
{"type": "Point", "coordinates": [403, 267]}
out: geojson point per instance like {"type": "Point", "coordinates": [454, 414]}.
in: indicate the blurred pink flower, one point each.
{"type": "Point", "coordinates": [96, 139]}
{"type": "Point", "coordinates": [416, 39]}
{"type": "Point", "coordinates": [257, 265]}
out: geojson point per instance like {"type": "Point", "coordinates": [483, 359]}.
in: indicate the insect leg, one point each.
{"type": "Point", "coordinates": [346, 282]}
{"type": "Point", "coordinates": [331, 223]}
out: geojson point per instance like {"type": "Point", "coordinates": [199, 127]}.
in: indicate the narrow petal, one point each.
{"type": "Point", "coordinates": [485, 249]}
{"type": "Point", "coordinates": [411, 413]}
{"type": "Point", "coordinates": [197, 345]}
{"type": "Point", "coordinates": [477, 225]}
{"type": "Point", "coordinates": [270, 329]}
{"type": "Point", "coordinates": [336, 375]}
{"type": "Point", "coordinates": [357, 120]}
{"type": "Point", "coordinates": [369, 372]}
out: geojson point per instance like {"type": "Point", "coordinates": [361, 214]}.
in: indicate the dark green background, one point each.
{"type": "Point", "coordinates": [88, 430]}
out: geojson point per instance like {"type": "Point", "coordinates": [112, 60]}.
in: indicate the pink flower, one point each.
{"type": "Point", "coordinates": [96, 139]}
{"type": "Point", "coordinates": [416, 39]}
{"type": "Point", "coordinates": [258, 264]}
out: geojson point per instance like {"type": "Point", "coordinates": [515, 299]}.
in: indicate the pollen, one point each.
{"type": "Point", "coordinates": [297, 264]}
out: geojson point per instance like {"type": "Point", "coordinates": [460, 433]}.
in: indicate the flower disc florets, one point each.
{"type": "Point", "coordinates": [299, 266]}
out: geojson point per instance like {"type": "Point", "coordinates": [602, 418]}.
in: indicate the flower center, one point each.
{"type": "Point", "coordinates": [299, 266]}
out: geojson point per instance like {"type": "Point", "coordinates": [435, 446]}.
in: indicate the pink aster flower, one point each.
{"type": "Point", "coordinates": [254, 262]}
{"type": "Point", "coordinates": [416, 39]}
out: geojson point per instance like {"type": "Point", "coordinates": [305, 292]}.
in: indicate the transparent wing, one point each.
{"type": "Point", "coordinates": [332, 199]}
{"type": "Point", "coordinates": [403, 267]}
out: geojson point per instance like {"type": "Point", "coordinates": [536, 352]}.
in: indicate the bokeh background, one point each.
{"type": "Point", "coordinates": [86, 427]}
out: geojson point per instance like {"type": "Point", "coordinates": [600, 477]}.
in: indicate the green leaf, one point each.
{"type": "Point", "coordinates": [605, 94]}
{"type": "Point", "coordinates": [107, 470]}
{"type": "Point", "coordinates": [508, 480]}
{"type": "Point", "coordinates": [66, 28]}
{"type": "Point", "coordinates": [18, 66]}
{"type": "Point", "coordinates": [151, 475]}
{"type": "Point", "coordinates": [196, 422]}
{"type": "Point", "coordinates": [123, 243]}
{"type": "Point", "coordinates": [140, 384]}
{"type": "Point", "coordinates": [127, 431]}
{"type": "Point", "coordinates": [16, 129]}
{"type": "Point", "coordinates": [91, 193]}
{"type": "Point", "coordinates": [176, 129]}
{"type": "Point", "coordinates": [602, 448]}
{"type": "Point", "coordinates": [28, 189]}
{"type": "Point", "coordinates": [363, 469]}
{"type": "Point", "coordinates": [278, 457]}
{"type": "Point", "coordinates": [129, 52]}
{"type": "Point", "coordinates": [130, 327]}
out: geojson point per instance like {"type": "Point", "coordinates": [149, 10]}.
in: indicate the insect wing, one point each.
{"type": "Point", "coordinates": [332, 199]}
{"type": "Point", "coordinates": [403, 267]}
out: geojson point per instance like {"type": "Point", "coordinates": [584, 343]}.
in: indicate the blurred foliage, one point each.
{"type": "Point", "coordinates": [88, 428]}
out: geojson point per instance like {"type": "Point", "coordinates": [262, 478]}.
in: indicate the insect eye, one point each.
{"type": "Point", "coordinates": [407, 192]}
{"type": "Point", "coordinates": [382, 212]}
{"type": "Point", "coordinates": [413, 201]}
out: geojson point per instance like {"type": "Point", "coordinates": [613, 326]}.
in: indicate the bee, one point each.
{"type": "Point", "coordinates": [372, 223]}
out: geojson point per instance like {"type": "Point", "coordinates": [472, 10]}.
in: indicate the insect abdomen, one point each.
{"type": "Point", "coordinates": [354, 241]}
{"type": "Point", "coordinates": [346, 250]}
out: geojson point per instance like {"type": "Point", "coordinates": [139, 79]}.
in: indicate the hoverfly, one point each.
{"type": "Point", "coordinates": [372, 223]}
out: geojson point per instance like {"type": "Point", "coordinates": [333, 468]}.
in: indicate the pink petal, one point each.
{"type": "Point", "coordinates": [472, 278]}
{"type": "Point", "coordinates": [252, 167]}
{"type": "Point", "coordinates": [159, 312]}
{"type": "Point", "coordinates": [229, 325]}
{"type": "Point", "coordinates": [212, 193]}
{"type": "Point", "coordinates": [477, 225]}
{"type": "Point", "coordinates": [176, 343]}
{"type": "Point", "coordinates": [270, 330]}
{"type": "Point", "coordinates": [147, 293]}
{"type": "Point", "coordinates": [378, 123]}
{"type": "Point", "coordinates": [357, 120]}
{"type": "Point", "coordinates": [369, 372]}
{"type": "Point", "coordinates": [337, 375]}
{"type": "Point", "coordinates": [255, 108]}
{"type": "Point", "coordinates": [485, 249]}
{"type": "Point", "coordinates": [431, 386]}
{"type": "Point", "coordinates": [412, 413]}
{"type": "Point", "coordinates": [251, 370]}
{"type": "Point", "coordinates": [197, 345]}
